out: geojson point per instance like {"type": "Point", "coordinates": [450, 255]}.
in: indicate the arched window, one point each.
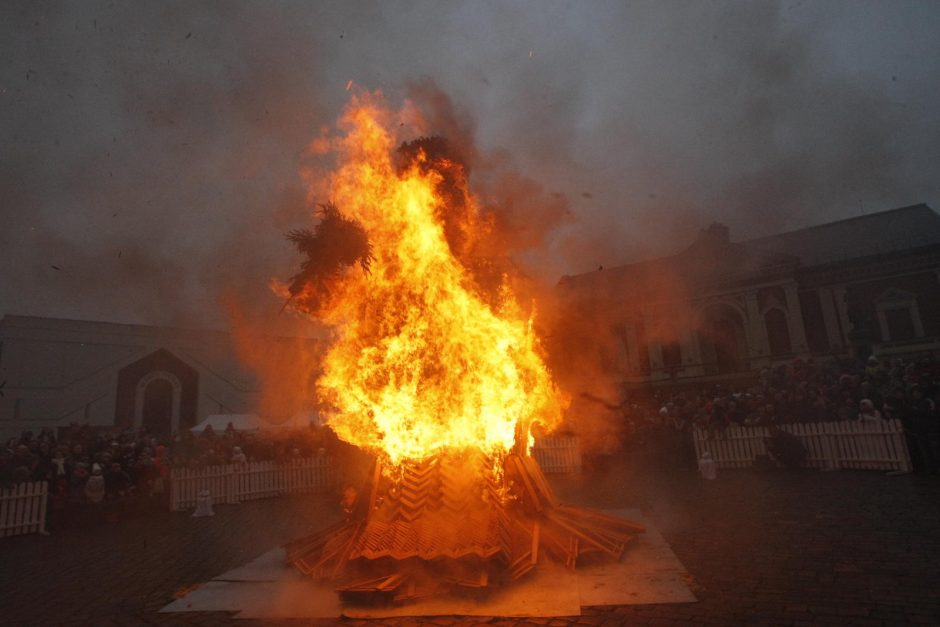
{"type": "Point", "coordinates": [722, 340]}
{"type": "Point", "coordinates": [778, 332]}
{"type": "Point", "coordinates": [672, 355]}
{"type": "Point", "coordinates": [899, 316]}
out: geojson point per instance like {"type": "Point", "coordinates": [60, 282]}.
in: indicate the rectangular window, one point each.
{"type": "Point", "coordinates": [814, 322]}
{"type": "Point", "coordinates": [900, 323]}
{"type": "Point", "coordinates": [642, 348]}
{"type": "Point", "coordinates": [672, 355]}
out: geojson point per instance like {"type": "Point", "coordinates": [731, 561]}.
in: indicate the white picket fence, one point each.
{"type": "Point", "coordinates": [560, 454]}
{"type": "Point", "coordinates": [234, 483]}
{"type": "Point", "coordinates": [831, 445]}
{"type": "Point", "coordinates": [23, 509]}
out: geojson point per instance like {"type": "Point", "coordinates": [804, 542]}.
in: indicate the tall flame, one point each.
{"type": "Point", "coordinates": [422, 360]}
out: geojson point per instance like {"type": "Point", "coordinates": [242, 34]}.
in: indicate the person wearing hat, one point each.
{"type": "Point", "coordinates": [94, 487]}
{"type": "Point", "coordinates": [867, 411]}
{"type": "Point", "coordinates": [874, 370]}
{"type": "Point", "coordinates": [238, 458]}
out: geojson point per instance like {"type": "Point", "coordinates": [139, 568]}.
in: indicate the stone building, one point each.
{"type": "Point", "coordinates": [722, 310]}
{"type": "Point", "coordinates": [55, 372]}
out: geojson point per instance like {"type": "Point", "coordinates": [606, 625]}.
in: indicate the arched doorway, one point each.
{"type": "Point", "coordinates": [157, 407]}
{"type": "Point", "coordinates": [722, 339]}
{"type": "Point", "coordinates": [159, 391]}
{"type": "Point", "coordinates": [157, 403]}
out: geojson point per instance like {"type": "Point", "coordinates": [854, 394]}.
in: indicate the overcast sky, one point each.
{"type": "Point", "coordinates": [150, 151]}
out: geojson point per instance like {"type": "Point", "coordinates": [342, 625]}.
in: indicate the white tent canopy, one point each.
{"type": "Point", "coordinates": [241, 422]}
{"type": "Point", "coordinates": [305, 419]}
{"type": "Point", "coordinates": [253, 422]}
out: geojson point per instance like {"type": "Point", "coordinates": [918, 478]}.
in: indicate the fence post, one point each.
{"type": "Point", "coordinates": [232, 485]}
{"type": "Point", "coordinates": [830, 445]}
{"type": "Point", "coordinates": [43, 501]}
{"type": "Point", "coordinates": [23, 509]}
{"type": "Point", "coordinates": [900, 445]}
{"type": "Point", "coordinates": [20, 507]}
{"type": "Point", "coordinates": [229, 483]}
{"type": "Point", "coordinates": [173, 488]}
{"type": "Point", "coordinates": [832, 462]}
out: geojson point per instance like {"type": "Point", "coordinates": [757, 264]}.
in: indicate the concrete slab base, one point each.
{"type": "Point", "coordinates": [267, 588]}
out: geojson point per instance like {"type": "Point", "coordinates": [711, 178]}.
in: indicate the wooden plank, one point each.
{"type": "Point", "coordinates": [18, 509]}
{"type": "Point", "coordinates": [582, 535]}
{"type": "Point", "coordinates": [539, 481]}
{"type": "Point", "coordinates": [520, 471]}
{"type": "Point", "coordinates": [851, 436]}
{"type": "Point", "coordinates": [797, 430]}
{"type": "Point", "coordinates": [4, 511]}
{"type": "Point", "coordinates": [536, 528]}
{"type": "Point", "coordinates": [347, 548]}
{"type": "Point", "coordinates": [746, 443]}
{"type": "Point", "coordinates": [606, 519]}
{"type": "Point", "coordinates": [554, 544]}
{"type": "Point", "coordinates": [900, 442]}
{"type": "Point", "coordinates": [374, 488]}
{"type": "Point", "coordinates": [732, 443]}
{"type": "Point", "coordinates": [9, 509]}
{"type": "Point", "coordinates": [43, 500]}
{"type": "Point", "coordinates": [696, 442]}
{"type": "Point", "coordinates": [879, 448]}
{"type": "Point", "coordinates": [32, 509]}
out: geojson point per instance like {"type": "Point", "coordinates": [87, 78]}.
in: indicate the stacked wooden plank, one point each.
{"type": "Point", "coordinates": [453, 522]}
{"type": "Point", "coordinates": [432, 510]}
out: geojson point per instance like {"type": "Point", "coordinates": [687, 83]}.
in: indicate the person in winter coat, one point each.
{"type": "Point", "coordinates": [867, 411]}
{"type": "Point", "coordinates": [117, 482]}
{"type": "Point", "coordinates": [238, 457]}
{"type": "Point", "coordinates": [94, 487]}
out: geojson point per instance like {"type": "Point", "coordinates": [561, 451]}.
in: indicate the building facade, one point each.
{"type": "Point", "coordinates": [723, 310]}
{"type": "Point", "coordinates": [55, 372]}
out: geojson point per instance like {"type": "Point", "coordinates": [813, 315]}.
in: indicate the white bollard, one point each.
{"type": "Point", "coordinates": [203, 505]}
{"type": "Point", "coordinates": [707, 466]}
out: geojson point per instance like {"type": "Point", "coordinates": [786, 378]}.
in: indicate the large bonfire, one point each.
{"type": "Point", "coordinates": [434, 368]}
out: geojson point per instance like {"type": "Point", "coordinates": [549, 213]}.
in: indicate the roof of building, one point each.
{"type": "Point", "coordinates": [713, 256]}
{"type": "Point", "coordinates": [10, 322]}
{"type": "Point", "coordinates": [889, 231]}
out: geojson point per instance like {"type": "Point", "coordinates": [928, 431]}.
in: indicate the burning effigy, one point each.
{"type": "Point", "coordinates": [435, 369]}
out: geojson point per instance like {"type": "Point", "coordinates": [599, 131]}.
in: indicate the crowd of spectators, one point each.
{"type": "Point", "coordinates": [805, 391]}
{"type": "Point", "coordinates": [84, 465]}
{"type": "Point", "coordinates": [87, 465]}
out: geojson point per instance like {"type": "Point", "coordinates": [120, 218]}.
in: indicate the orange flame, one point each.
{"type": "Point", "coordinates": [422, 360]}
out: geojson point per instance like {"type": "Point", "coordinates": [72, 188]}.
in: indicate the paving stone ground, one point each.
{"type": "Point", "coordinates": [762, 548]}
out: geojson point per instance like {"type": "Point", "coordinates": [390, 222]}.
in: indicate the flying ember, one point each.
{"type": "Point", "coordinates": [431, 351]}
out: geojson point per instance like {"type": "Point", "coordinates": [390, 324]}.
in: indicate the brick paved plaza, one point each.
{"type": "Point", "coordinates": [789, 548]}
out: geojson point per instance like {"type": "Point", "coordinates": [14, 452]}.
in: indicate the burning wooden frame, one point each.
{"type": "Point", "coordinates": [452, 523]}
{"type": "Point", "coordinates": [437, 369]}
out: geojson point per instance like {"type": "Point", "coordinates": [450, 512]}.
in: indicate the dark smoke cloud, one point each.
{"type": "Point", "coordinates": [525, 214]}
{"type": "Point", "coordinates": [150, 151]}
{"type": "Point", "coordinates": [150, 157]}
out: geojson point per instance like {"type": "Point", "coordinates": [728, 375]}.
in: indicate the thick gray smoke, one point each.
{"type": "Point", "coordinates": [150, 151]}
